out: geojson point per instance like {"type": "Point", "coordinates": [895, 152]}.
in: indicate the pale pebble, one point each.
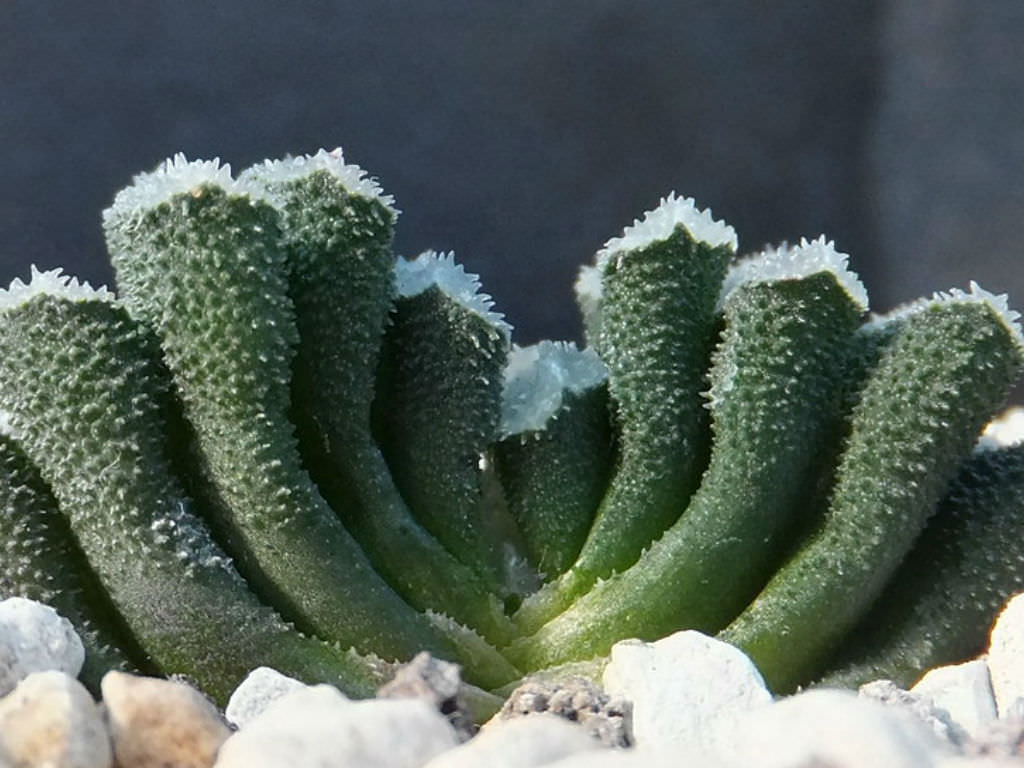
{"type": "Point", "coordinates": [964, 691]}
{"type": "Point", "coordinates": [316, 727]}
{"type": "Point", "coordinates": [1006, 655]}
{"type": "Point", "coordinates": [51, 720]}
{"type": "Point", "coordinates": [261, 688]}
{"type": "Point", "coordinates": [154, 723]}
{"type": "Point", "coordinates": [938, 720]}
{"type": "Point", "coordinates": [424, 677]}
{"type": "Point", "coordinates": [1003, 737]}
{"type": "Point", "coordinates": [833, 728]}
{"type": "Point", "coordinates": [521, 742]}
{"type": "Point", "coordinates": [312, 698]}
{"type": "Point", "coordinates": [641, 757]}
{"type": "Point", "coordinates": [35, 638]}
{"type": "Point", "coordinates": [438, 683]}
{"type": "Point", "coordinates": [961, 761]}
{"type": "Point", "coordinates": [683, 688]}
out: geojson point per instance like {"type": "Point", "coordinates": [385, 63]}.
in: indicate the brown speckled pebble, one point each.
{"type": "Point", "coordinates": [51, 720]}
{"type": "Point", "coordinates": [158, 723]}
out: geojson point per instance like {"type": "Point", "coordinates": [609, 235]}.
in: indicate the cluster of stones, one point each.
{"type": "Point", "coordinates": [686, 699]}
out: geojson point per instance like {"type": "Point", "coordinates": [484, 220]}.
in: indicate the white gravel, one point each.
{"type": "Point", "coordinates": [35, 638]}
{"type": "Point", "coordinates": [683, 687]}
{"type": "Point", "coordinates": [261, 688]}
{"type": "Point", "coordinates": [695, 701]}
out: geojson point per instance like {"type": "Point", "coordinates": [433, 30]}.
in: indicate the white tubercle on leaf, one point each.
{"type": "Point", "coordinates": [273, 173]}
{"type": "Point", "coordinates": [998, 302]}
{"type": "Point", "coordinates": [430, 268]}
{"type": "Point", "coordinates": [537, 378]}
{"type": "Point", "coordinates": [7, 427]}
{"type": "Point", "coordinates": [660, 223]}
{"type": "Point", "coordinates": [52, 283]}
{"type": "Point", "coordinates": [175, 176]}
{"type": "Point", "coordinates": [788, 262]}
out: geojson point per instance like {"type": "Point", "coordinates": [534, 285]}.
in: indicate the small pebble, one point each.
{"type": "Point", "coordinates": [962, 690]}
{"type": "Point", "coordinates": [939, 721]}
{"type": "Point", "coordinates": [830, 728]}
{"type": "Point", "coordinates": [1000, 738]}
{"type": "Point", "coordinates": [640, 757]}
{"type": "Point", "coordinates": [961, 761]}
{"type": "Point", "coordinates": [156, 723]}
{"type": "Point", "coordinates": [1006, 655]}
{"type": "Point", "coordinates": [318, 726]}
{"type": "Point", "coordinates": [35, 638]}
{"type": "Point", "coordinates": [261, 688]}
{"type": "Point", "coordinates": [51, 720]}
{"type": "Point", "coordinates": [576, 699]}
{"type": "Point", "coordinates": [519, 743]}
{"type": "Point", "coordinates": [436, 682]}
{"type": "Point", "coordinates": [683, 688]}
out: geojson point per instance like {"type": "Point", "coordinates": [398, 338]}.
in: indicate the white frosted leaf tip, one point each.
{"type": "Point", "coordinates": [430, 268]}
{"type": "Point", "coordinates": [659, 224]}
{"type": "Point", "coordinates": [270, 174]}
{"type": "Point", "coordinates": [537, 378]}
{"type": "Point", "coordinates": [175, 176]}
{"type": "Point", "coordinates": [998, 303]}
{"type": "Point", "coordinates": [788, 262]}
{"type": "Point", "coordinates": [52, 283]}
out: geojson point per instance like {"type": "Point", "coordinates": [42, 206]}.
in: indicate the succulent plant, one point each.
{"type": "Point", "coordinates": [280, 444]}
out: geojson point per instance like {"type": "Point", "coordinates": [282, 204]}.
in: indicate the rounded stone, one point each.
{"type": "Point", "coordinates": [154, 723]}
{"type": "Point", "coordinates": [319, 726]}
{"type": "Point", "coordinates": [51, 720]}
{"type": "Point", "coordinates": [35, 638]}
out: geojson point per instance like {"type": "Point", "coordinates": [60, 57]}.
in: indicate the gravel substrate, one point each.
{"type": "Point", "coordinates": [684, 700]}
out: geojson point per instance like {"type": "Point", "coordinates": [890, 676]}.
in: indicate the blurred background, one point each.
{"type": "Point", "coordinates": [523, 135]}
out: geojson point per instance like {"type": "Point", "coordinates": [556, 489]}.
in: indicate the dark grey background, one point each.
{"type": "Point", "coordinates": [522, 135]}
